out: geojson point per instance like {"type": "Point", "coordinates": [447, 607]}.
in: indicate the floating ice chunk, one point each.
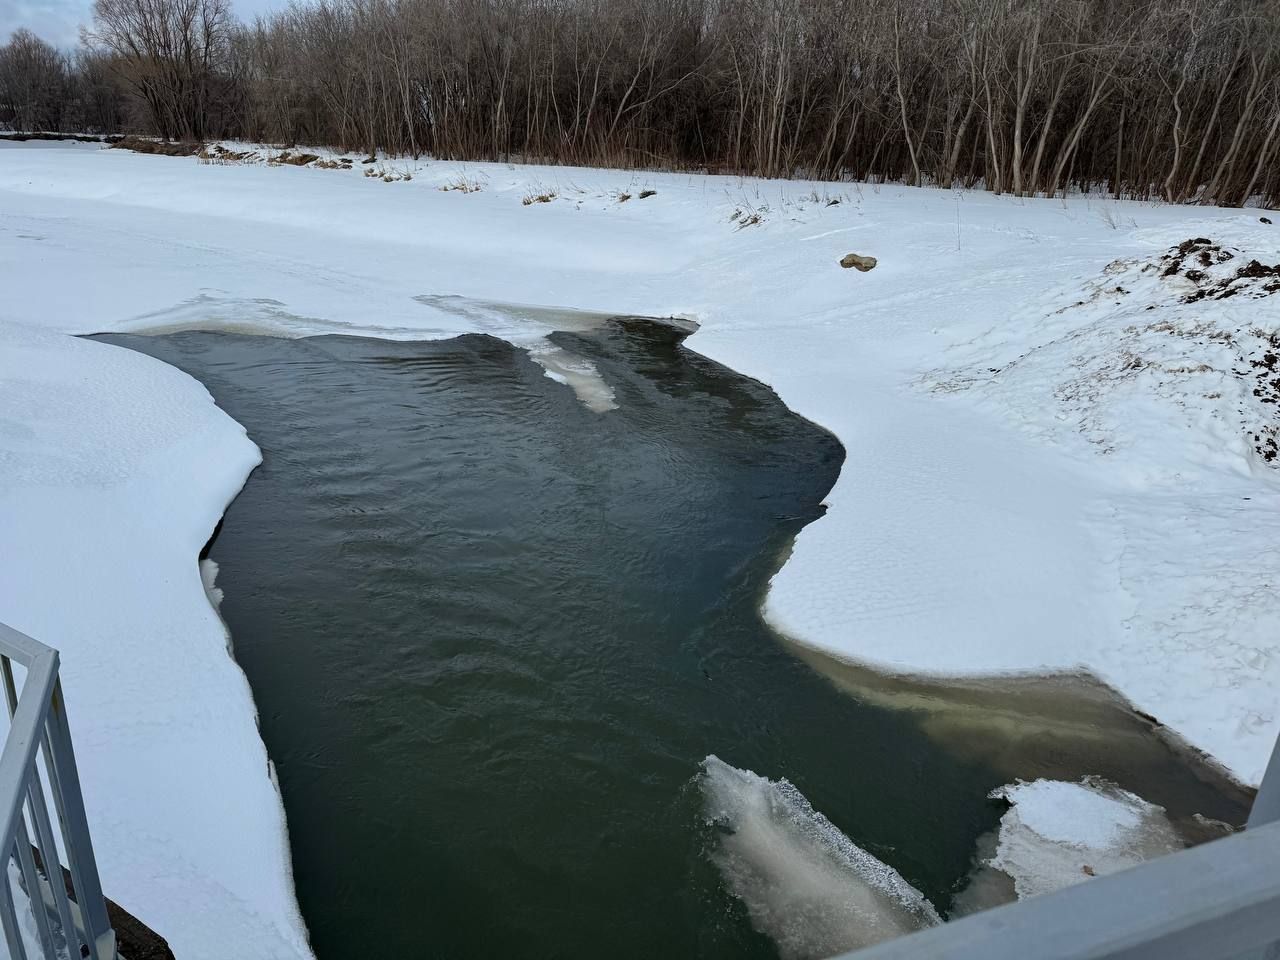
{"type": "Point", "coordinates": [514, 320]}
{"type": "Point", "coordinates": [209, 577]}
{"type": "Point", "coordinates": [1057, 834]}
{"type": "Point", "coordinates": [527, 326]}
{"type": "Point", "coordinates": [804, 883]}
{"type": "Point", "coordinates": [576, 372]}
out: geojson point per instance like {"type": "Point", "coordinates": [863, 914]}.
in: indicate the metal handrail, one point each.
{"type": "Point", "coordinates": [38, 757]}
{"type": "Point", "coordinates": [1217, 901]}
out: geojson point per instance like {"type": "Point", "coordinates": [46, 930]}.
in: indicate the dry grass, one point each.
{"type": "Point", "coordinates": [463, 184]}
{"type": "Point", "coordinates": [386, 174]}
{"type": "Point", "coordinates": [748, 217]}
{"type": "Point", "coordinates": [220, 155]}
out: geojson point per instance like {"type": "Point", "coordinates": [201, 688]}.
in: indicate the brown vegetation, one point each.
{"type": "Point", "coordinates": [162, 147]}
{"type": "Point", "coordinates": [1136, 97]}
{"type": "Point", "coordinates": [292, 159]}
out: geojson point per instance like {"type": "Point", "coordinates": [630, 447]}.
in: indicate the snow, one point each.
{"type": "Point", "coordinates": [1056, 834]}
{"type": "Point", "coordinates": [1019, 497]}
{"type": "Point", "coordinates": [27, 930]}
{"type": "Point", "coordinates": [804, 883]}
{"type": "Point", "coordinates": [115, 470]}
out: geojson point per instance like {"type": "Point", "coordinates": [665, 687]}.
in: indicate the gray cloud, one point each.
{"type": "Point", "coordinates": [58, 21]}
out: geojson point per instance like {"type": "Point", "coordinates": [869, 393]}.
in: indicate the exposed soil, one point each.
{"type": "Point", "coordinates": [134, 938]}
{"type": "Point", "coordinates": [166, 148]}
{"type": "Point", "coordinates": [1193, 257]}
{"type": "Point", "coordinates": [1263, 368]}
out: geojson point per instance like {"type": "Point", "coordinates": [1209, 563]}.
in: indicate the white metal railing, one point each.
{"type": "Point", "coordinates": [37, 760]}
{"type": "Point", "coordinates": [1217, 901]}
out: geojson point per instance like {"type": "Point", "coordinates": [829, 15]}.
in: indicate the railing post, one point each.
{"type": "Point", "coordinates": [38, 727]}
{"type": "Point", "coordinates": [1266, 809]}
{"type": "Point", "coordinates": [1266, 805]}
{"type": "Point", "coordinates": [65, 782]}
{"type": "Point", "coordinates": [23, 840]}
{"type": "Point", "coordinates": [9, 920]}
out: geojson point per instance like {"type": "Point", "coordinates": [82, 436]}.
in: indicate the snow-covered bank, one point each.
{"type": "Point", "coordinates": [115, 470]}
{"type": "Point", "coordinates": [1018, 495]}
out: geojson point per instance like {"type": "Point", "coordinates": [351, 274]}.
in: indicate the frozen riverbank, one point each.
{"type": "Point", "coordinates": [1019, 495]}
{"type": "Point", "coordinates": [115, 470]}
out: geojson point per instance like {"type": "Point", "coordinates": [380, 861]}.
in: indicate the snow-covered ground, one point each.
{"type": "Point", "coordinates": [114, 469]}
{"type": "Point", "coordinates": [1052, 463]}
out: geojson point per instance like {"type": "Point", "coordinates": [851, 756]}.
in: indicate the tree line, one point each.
{"type": "Point", "coordinates": [1141, 98]}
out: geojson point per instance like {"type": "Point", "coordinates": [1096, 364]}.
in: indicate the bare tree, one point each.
{"type": "Point", "coordinates": [173, 53]}
{"type": "Point", "coordinates": [1138, 97]}
{"type": "Point", "coordinates": [34, 83]}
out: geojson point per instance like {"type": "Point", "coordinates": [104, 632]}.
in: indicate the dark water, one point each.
{"type": "Point", "coordinates": [491, 635]}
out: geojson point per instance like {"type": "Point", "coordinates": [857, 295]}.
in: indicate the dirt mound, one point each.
{"type": "Point", "coordinates": [166, 148]}
{"type": "Point", "coordinates": [1194, 259]}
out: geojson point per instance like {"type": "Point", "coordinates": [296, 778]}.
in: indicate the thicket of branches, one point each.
{"type": "Point", "coordinates": [1139, 97]}
{"type": "Point", "coordinates": [44, 89]}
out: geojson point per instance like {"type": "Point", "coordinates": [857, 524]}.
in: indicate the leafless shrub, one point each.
{"type": "Point", "coordinates": [175, 56]}
{"type": "Point", "coordinates": [1138, 98]}
{"type": "Point", "coordinates": [464, 184]}
{"type": "Point", "coordinates": [387, 174]}
{"type": "Point", "coordinates": [34, 83]}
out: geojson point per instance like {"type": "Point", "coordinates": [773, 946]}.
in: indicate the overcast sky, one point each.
{"type": "Point", "coordinates": [58, 21]}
